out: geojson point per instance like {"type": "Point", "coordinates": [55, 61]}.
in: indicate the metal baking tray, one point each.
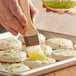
{"type": "Point", "coordinates": [49, 67]}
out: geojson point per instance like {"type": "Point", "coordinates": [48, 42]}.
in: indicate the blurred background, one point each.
{"type": "Point", "coordinates": [53, 22]}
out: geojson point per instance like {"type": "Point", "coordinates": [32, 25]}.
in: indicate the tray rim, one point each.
{"type": "Point", "coordinates": [53, 67]}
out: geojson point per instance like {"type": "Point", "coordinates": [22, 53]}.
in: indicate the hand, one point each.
{"type": "Point", "coordinates": [12, 16]}
{"type": "Point", "coordinates": [70, 11]}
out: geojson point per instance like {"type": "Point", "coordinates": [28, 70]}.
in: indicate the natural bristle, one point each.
{"type": "Point", "coordinates": [31, 40]}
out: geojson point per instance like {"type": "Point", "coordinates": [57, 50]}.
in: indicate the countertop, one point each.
{"type": "Point", "coordinates": [70, 71]}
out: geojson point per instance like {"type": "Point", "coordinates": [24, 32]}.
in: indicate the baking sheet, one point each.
{"type": "Point", "coordinates": [49, 67]}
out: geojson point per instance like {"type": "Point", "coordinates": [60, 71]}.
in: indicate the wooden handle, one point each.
{"type": "Point", "coordinates": [30, 29]}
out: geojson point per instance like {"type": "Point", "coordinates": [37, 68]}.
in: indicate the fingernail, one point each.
{"type": "Point", "coordinates": [54, 11]}
{"type": "Point", "coordinates": [48, 10]}
{"type": "Point", "coordinates": [43, 6]}
{"type": "Point", "coordinates": [65, 11]}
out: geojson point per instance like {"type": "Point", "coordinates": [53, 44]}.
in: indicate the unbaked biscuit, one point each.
{"type": "Point", "coordinates": [12, 56]}
{"type": "Point", "coordinates": [10, 43]}
{"type": "Point", "coordinates": [13, 67]}
{"type": "Point", "coordinates": [39, 56]}
{"type": "Point", "coordinates": [62, 54]}
{"type": "Point", "coordinates": [47, 50]}
{"type": "Point", "coordinates": [60, 43]}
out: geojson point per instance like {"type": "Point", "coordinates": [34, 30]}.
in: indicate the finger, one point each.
{"type": "Point", "coordinates": [13, 21]}
{"type": "Point", "coordinates": [71, 11]}
{"type": "Point", "coordinates": [34, 12]}
{"type": "Point", "coordinates": [48, 10]}
{"type": "Point", "coordinates": [66, 11]}
{"type": "Point", "coordinates": [17, 11]}
{"type": "Point", "coordinates": [43, 6]}
{"type": "Point", "coordinates": [14, 32]}
{"type": "Point", "coordinates": [60, 12]}
{"type": "Point", "coordinates": [54, 11]}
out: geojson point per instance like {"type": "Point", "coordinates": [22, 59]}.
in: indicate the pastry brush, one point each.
{"type": "Point", "coordinates": [31, 35]}
{"type": "Point", "coordinates": [30, 31]}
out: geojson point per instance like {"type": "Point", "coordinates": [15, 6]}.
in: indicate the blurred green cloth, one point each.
{"type": "Point", "coordinates": [2, 29]}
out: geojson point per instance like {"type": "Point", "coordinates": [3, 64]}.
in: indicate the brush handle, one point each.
{"type": "Point", "coordinates": [30, 29]}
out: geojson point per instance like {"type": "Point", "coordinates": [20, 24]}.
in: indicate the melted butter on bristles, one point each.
{"type": "Point", "coordinates": [36, 53]}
